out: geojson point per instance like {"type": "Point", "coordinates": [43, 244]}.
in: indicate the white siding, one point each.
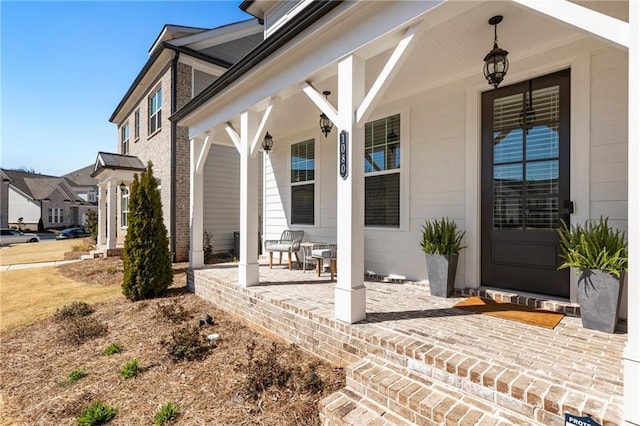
{"type": "Point", "coordinates": [221, 202]}
{"type": "Point", "coordinates": [19, 206]}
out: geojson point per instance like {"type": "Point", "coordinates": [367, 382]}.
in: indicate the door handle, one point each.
{"type": "Point", "coordinates": [569, 206]}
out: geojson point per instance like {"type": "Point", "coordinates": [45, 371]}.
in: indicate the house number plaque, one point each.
{"type": "Point", "coordinates": [344, 154]}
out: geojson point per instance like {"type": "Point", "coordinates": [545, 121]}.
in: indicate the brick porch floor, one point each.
{"type": "Point", "coordinates": [417, 360]}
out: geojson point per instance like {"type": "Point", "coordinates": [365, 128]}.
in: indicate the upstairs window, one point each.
{"type": "Point", "coordinates": [124, 139]}
{"type": "Point", "coordinates": [303, 183]}
{"type": "Point", "coordinates": [155, 111]}
{"type": "Point", "coordinates": [136, 124]}
{"type": "Point", "coordinates": [382, 172]}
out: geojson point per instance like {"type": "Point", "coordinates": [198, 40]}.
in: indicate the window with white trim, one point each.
{"type": "Point", "coordinates": [136, 124]}
{"type": "Point", "coordinates": [303, 183]}
{"type": "Point", "coordinates": [124, 207]}
{"type": "Point", "coordinates": [124, 139]}
{"type": "Point", "coordinates": [382, 172]}
{"type": "Point", "coordinates": [155, 111]}
{"type": "Point", "coordinates": [56, 215]}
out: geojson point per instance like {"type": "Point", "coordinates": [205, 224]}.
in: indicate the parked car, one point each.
{"type": "Point", "coordinates": [72, 233]}
{"type": "Point", "coordinates": [13, 236]}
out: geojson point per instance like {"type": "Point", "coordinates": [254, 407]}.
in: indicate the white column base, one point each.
{"type": "Point", "coordinates": [196, 258]}
{"type": "Point", "coordinates": [350, 304]}
{"type": "Point", "coordinates": [631, 391]}
{"type": "Point", "coordinates": [248, 275]}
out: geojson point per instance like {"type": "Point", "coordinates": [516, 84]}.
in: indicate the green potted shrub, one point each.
{"type": "Point", "coordinates": [441, 243]}
{"type": "Point", "coordinates": [599, 255]}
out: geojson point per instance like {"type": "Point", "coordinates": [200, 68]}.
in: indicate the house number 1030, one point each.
{"type": "Point", "coordinates": [344, 154]}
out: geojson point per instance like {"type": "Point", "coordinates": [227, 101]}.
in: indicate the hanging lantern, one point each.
{"type": "Point", "coordinates": [496, 63]}
{"type": "Point", "coordinates": [267, 143]}
{"type": "Point", "coordinates": [325, 124]}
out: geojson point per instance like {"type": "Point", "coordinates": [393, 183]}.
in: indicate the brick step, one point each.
{"type": "Point", "coordinates": [399, 392]}
{"type": "Point", "coordinates": [93, 254]}
{"type": "Point", "coordinates": [349, 408]}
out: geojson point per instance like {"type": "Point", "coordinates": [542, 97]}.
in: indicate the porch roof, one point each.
{"type": "Point", "coordinates": [110, 161]}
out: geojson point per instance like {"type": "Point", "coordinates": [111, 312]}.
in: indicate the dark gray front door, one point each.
{"type": "Point", "coordinates": [525, 184]}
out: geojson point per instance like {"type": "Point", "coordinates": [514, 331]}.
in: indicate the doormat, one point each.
{"type": "Point", "coordinates": [511, 311]}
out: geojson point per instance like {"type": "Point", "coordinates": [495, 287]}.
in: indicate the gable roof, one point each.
{"type": "Point", "coordinates": [112, 161]}
{"type": "Point", "coordinates": [38, 186]}
{"type": "Point", "coordinates": [82, 177]}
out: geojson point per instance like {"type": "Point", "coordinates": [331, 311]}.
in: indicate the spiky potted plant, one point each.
{"type": "Point", "coordinates": [441, 243]}
{"type": "Point", "coordinates": [598, 253]}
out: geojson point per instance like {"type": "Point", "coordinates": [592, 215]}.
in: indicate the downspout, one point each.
{"type": "Point", "coordinates": [174, 150]}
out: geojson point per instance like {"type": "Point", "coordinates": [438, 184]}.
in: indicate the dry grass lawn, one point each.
{"type": "Point", "coordinates": [36, 359]}
{"type": "Point", "coordinates": [44, 251]}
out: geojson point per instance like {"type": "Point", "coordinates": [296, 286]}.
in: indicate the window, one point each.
{"type": "Point", "coordinates": [125, 208]}
{"type": "Point", "coordinates": [124, 139]}
{"type": "Point", "coordinates": [302, 183]}
{"type": "Point", "coordinates": [382, 172]}
{"type": "Point", "coordinates": [136, 124]}
{"type": "Point", "coordinates": [56, 215]}
{"type": "Point", "coordinates": [155, 111]}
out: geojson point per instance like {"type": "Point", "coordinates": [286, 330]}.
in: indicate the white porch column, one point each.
{"type": "Point", "coordinates": [111, 215]}
{"type": "Point", "coordinates": [196, 190]}
{"type": "Point", "coordinates": [102, 215]}
{"type": "Point", "coordinates": [350, 292]}
{"type": "Point", "coordinates": [632, 351]}
{"type": "Point", "coordinates": [248, 273]}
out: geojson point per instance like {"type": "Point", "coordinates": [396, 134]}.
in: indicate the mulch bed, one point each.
{"type": "Point", "coordinates": [36, 360]}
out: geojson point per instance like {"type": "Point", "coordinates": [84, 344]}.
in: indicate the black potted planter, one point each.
{"type": "Point", "coordinates": [599, 296]}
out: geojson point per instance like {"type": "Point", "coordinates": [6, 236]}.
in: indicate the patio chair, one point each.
{"type": "Point", "coordinates": [289, 242]}
{"type": "Point", "coordinates": [320, 252]}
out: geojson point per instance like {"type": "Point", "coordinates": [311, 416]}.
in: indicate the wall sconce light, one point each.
{"type": "Point", "coordinates": [495, 63]}
{"type": "Point", "coordinates": [325, 124]}
{"type": "Point", "coordinates": [267, 143]}
{"type": "Point", "coordinates": [122, 187]}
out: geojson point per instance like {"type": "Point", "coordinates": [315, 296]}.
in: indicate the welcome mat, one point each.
{"type": "Point", "coordinates": [511, 311]}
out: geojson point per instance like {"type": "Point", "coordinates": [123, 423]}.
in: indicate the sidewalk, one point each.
{"type": "Point", "coordinates": [35, 265]}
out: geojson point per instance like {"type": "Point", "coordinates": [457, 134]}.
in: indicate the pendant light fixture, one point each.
{"type": "Point", "coordinates": [496, 63]}
{"type": "Point", "coordinates": [325, 124]}
{"type": "Point", "coordinates": [267, 143]}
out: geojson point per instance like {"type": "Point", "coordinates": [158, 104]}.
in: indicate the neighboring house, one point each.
{"type": "Point", "coordinates": [31, 197]}
{"type": "Point", "coordinates": [419, 134]}
{"type": "Point", "coordinates": [85, 186]}
{"type": "Point", "coordinates": [183, 61]}
{"type": "Point", "coordinates": [4, 199]}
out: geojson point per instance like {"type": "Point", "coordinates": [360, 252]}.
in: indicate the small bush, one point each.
{"type": "Point", "coordinates": [167, 413]}
{"type": "Point", "coordinates": [96, 414]}
{"type": "Point", "coordinates": [261, 374]}
{"type": "Point", "coordinates": [113, 348]}
{"type": "Point", "coordinates": [74, 310]}
{"type": "Point", "coordinates": [77, 330]}
{"type": "Point", "coordinates": [129, 370]}
{"type": "Point", "coordinates": [172, 311]}
{"type": "Point", "coordinates": [82, 246]}
{"type": "Point", "coordinates": [207, 247]}
{"type": "Point", "coordinates": [76, 375]}
{"type": "Point", "coordinates": [186, 344]}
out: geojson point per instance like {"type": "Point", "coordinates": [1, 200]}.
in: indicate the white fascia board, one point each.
{"type": "Point", "coordinates": [596, 23]}
{"type": "Point", "coordinates": [361, 24]}
{"type": "Point", "coordinates": [201, 65]}
{"type": "Point", "coordinates": [220, 35]}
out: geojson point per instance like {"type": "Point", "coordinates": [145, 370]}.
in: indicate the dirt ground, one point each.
{"type": "Point", "coordinates": [217, 390]}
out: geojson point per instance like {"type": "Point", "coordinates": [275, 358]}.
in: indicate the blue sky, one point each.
{"type": "Point", "coordinates": [66, 65]}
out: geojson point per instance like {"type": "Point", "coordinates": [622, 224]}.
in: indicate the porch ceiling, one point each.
{"type": "Point", "coordinates": [445, 53]}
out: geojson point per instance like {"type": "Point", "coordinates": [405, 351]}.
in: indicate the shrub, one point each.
{"type": "Point", "coordinates": [76, 375]}
{"type": "Point", "coordinates": [82, 246]}
{"type": "Point", "coordinates": [146, 256]}
{"type": "Point", "coordinates": [76, 328]}
{"type": "Point", "coordinates": [186, 343]}
{"type": "Point", "coordinates": [207, 246]}
{"type": "Point", "coordinates": [594, 246]}
{"type": "Point", "coordinates": [173, 311]}
{"type": "Point", "coordinates": [91, 224]}
{"type": "Point", "coordinates": [113, 348]}
{"type": "Point", "coordinates": [167, 413]}
{"type": "Point", "coordinates": [441, 236]}
{"type": "Point", "coordinates": [74, 310]}
{"type": "Point", "coordinates": [96, 414]}
{"type": "Point", "coordinates": [263, 373]}
{"type": "Point", "coordinates": [129, 370]}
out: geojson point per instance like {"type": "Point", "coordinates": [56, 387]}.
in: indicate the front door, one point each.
{"type": "Point", "coordinates": [525, 184]}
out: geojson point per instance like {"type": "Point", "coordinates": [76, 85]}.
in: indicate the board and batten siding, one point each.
{"type": "Point", "coordinates": [221, 199]}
